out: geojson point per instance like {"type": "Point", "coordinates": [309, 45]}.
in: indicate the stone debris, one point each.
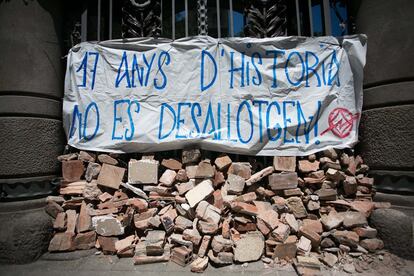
{"type": "Point", "coordinates": [72, 170]}
{"type": "Point", "coordinates": [168, 177]}
{"type": "Point", "coordinates": [222, 163]}
{"type": "Point", "coordinates": [143, 171]}
{"type": "Point", "coordinates": [304, 246]}
{"type": "Point", "coordinates": [249, 247]}
{"type": "Point", "coordinates": [283, 181]}
{"type": "Point", "coordinates": [311, 211]}
{"type": "Point", "coordinates": [284, 163]}
{"type": "Point", "coordinates": [329, 259]}
{"type": "Point", "coordinates": [84, 219]}
{"type": "Point", "coordinates": [181, 255]}
{"type": "Point", "coordinates": [260, 175]}
{"type": "Point", "coordinates": [107, 244]}
{"type": "Point", "coordinates": [172, 164]}
{"type": "Point", "coordinates": [107, 159]}
{"type": "Point", "coordinates": [332, 220]}
{"type": "Point", "coordinates": [296, 207]}
{"type": "Point", "coordinates": [124, 245]}
{"type": "Point", "coordinates": [92, 171]}
{"type": "Point", "coordinates": [372, 245]}
{"type": "Point", "coordinates": [91, 191]}
{"type": "Point", "coordinates": [306, 166]}
{"type": "Point", "coordinates": [60, 222]}
{"type": "Point", "coordinates": [235, 184]}
{"type": "Point", "coordinates": [111, 176]}
{"type": "Point", "coordinates": [108, 226]}
{"type": "Point", "coordinates": [73, 188]}
{"type": "Point", "coordinates": [199, 265]}
{"type": "Point", "coordinates": [242, 169]}
{"type": "Point", "coordinates": [199, 192]}
{"type": "Point", "coordinates": [204, 170]}
{"type": "Point", "coordinates": [354, 219]}
{"type": "Point", "coordinates": [85, 240]}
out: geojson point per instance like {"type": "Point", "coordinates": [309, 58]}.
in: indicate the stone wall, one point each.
{"type": "Point", "coordinates": [31, 88]}
{"type": "Point", "coordinates": [387, 127]}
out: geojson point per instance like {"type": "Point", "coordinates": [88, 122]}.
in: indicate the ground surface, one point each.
{"type": "Point", "coordinates": [111, 265]}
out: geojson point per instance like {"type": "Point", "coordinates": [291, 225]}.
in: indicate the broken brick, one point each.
{"type": "Point", "coordinates": [60, 222]}
{"type": "Point", "coordinates": [259, 175]}
{"type": "Point", "coordinates": [204, 170]}
{"type": "Point", "coordinates": [107, 244]}
{"type": "Point", "coordinates": [172, 164]}
{"type": "Point", "coordinates": [168, 177]}
{"type": "Point", "coordinates": [236, 184]}
{"type": "Point", "coordinates": [85, 240]}
{"type": "Point", "coordinates": [242, 169]}
{"type": "Point", "coordinates": [223, 162]}
{"type": "Point", "coordinates": [282, 181]}
{"type": "Point", "coordinates": [107, 159]}
{"type": "Point", "coordinates": [111, 176]}
{"type": "Point", "coordinates": [72, 170]}
{"type": "Point", "coordinates": [284, 163]}
{"type": "Point", "coordinates": [306, 166]}
{"type": "Point", "coordinates": [62, 242]}
{"type": "Point", "coordinates": [84, 220]}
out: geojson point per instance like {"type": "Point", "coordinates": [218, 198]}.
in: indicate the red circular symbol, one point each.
{"type": "Point", "coordinates": [341, 122]}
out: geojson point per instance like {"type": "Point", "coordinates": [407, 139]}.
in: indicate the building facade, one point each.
{"type": "Point", "coordinates": [35, 36]}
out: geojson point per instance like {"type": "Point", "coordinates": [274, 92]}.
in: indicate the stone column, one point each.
{"type": "Point", "coordinates": [31, 136]}
{"type": "Point", "coordinates": [387, 126]}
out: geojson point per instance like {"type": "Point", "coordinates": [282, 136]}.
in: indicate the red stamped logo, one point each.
{"type": "Point", "coordinates": [341, 122]}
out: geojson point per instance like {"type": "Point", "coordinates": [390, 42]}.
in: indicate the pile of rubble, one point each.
{"type": "Point", "coordinates": [311, 211]}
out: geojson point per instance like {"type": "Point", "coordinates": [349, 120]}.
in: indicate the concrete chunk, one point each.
{"type": "Point", "coordinates": [143, 171]}
{"type": "Point", "coordinates": [249, 247]}
{"type": "Point", "coordinates": [236, 184]}
{"type": "Point", "coordinates": [199, 192]}
{"type": "Point", "coordinates": [92, 171]}
{"type": "Point", "coordinates": [168, 177]}
{"type": "Point", "coordinates": [204, 170]}
{"type": "Point", "coordinates": [154, 243]}
{"type": "Point", "coordinates": [354, 219]}
{"type": "Point", "coordinates": [208, 212]}
{"type": "Point", "coordinates": [242, 169]}
{"type": "Point", "coordinates": [108, 226]}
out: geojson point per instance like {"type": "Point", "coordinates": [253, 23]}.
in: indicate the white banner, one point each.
{"type": "Point", "coordinates": [273, 96]}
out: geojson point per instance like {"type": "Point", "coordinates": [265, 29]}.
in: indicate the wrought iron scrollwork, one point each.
{"type": "Point", "coordinates": [141, 18]}
{"type": "Point", "coordinates": [75, 35]}
{"type": "Point", "coordinates": [202, 17]}
{"type": "Point", "coordinates": [265, 18]}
